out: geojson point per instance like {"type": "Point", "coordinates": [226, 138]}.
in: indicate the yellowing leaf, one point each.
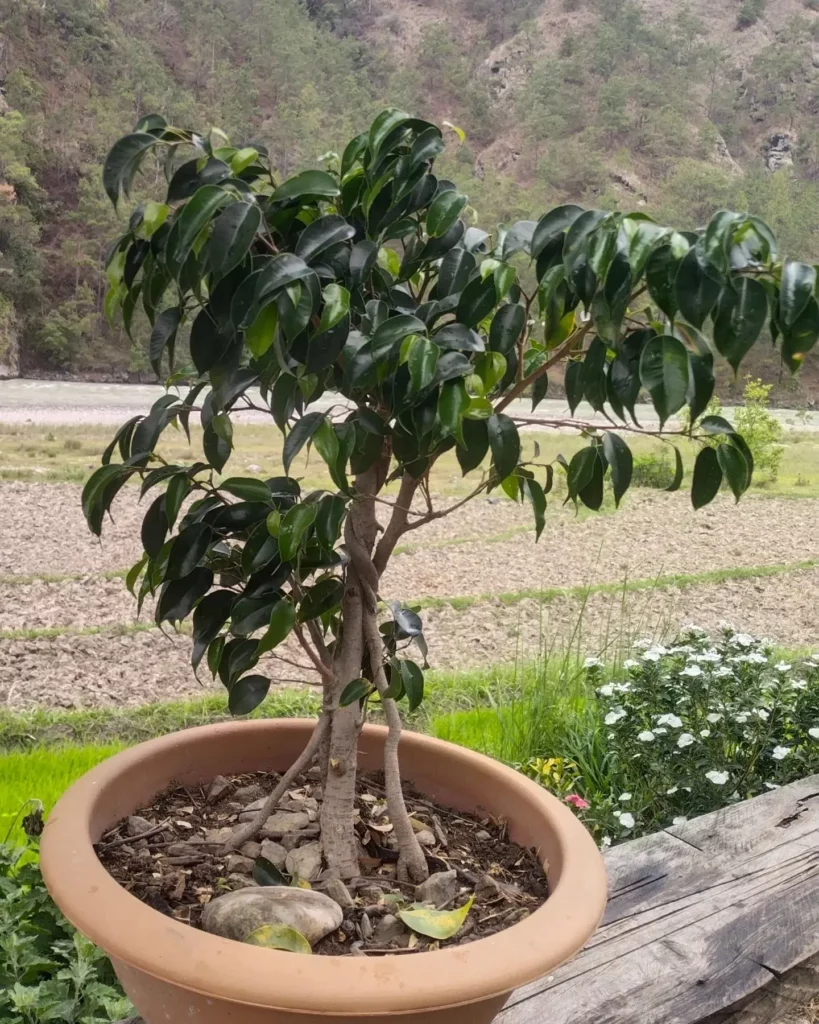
{"type": "Point", "coordinates": [279, 936]}
{"type": "Point", "coordinates": [458, 131]}
{"type": "Point", "coordinates": [437, 924]}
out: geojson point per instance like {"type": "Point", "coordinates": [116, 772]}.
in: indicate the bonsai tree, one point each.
{"type": "Point", "coordinates": [358, 310]}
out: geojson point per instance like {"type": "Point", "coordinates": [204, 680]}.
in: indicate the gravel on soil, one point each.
{"type": "Point", "coordinates": [140, 668]}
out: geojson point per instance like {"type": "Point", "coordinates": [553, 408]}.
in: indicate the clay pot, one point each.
{"type": "Point", "coordinates": [175, 973]}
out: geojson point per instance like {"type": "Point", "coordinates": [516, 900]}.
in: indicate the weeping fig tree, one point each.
{"type": "Point", "coordinates": [357, 309]}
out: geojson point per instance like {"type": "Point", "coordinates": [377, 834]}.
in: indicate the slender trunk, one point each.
{"type": "Point", "coordinates": [339, 753]}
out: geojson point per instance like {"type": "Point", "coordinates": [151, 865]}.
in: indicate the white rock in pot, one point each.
{"type": "Point", "coordinates": [236, 914]}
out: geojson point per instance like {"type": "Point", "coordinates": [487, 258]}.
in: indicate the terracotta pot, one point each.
{"type": "Point", "coordinates": [175, 973]}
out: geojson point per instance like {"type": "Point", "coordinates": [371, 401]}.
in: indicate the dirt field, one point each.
{"type": "Point", "coordinates": [75, 642]}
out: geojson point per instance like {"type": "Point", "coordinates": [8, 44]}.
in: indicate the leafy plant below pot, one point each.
{"type": "Point", "coordinates": [48, 971]}
{"type": "Point", "coordinates": [364, 282]}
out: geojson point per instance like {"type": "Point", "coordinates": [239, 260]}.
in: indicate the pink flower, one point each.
{"type": "Point", "coordinates": [577, 801]}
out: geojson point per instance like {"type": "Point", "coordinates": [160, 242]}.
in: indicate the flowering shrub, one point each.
{"type": "Point", "coordinates": [697, 725]}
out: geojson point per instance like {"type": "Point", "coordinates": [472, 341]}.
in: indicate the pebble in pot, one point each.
{"type": "Point", "coordinates": [236, 914]}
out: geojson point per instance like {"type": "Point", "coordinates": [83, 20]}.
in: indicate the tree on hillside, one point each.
{"type": "Point", "coordinates": [363, 285]}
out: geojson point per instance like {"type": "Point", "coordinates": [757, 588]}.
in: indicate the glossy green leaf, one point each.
{"type": "Point", "coordinates": [355, 691]}
{"type": "Point", "coordinates": [799, 339]}
{"type": "Point", "coordinates": [321, 234]}
{"type": "Point", "coordinates": [188, 550]}
{"type": "Point", "coordinates": [436, 924]}
{"type": "Point", "coordinates": [477, 301]}
{"type": "Point", "coordinates": [329, 518]}
{"type": "Point", "coordinates": [536, 495]}
{"type": "Point", "coordinates": [677, 479]}
{"type": "Point", "coordinates": [308, 184]}
{"type": "Point", "coordinates": [324, 596]}
{"type": "Point", "coordinates": [155, 527]}
{"type": "Point", "coordinates": [179, 597]}
{"type": "Point", "coordinates": [336, 305]}
{"type": "Point", "coordinates": [301, 432]}
{"type": "Point", "coordinates": [163, 336]}
{"type": "Point", "coordinates": [707, 478]}
{"type": "Point", "coordinates": [734, 469]}
{"type": "Point", "coordinates": [551, 225]}
{"type": "Point", "coordinates": [475, 445]}
{"type": "Point", "coordinates": [282, 620]}
{"type": "Point", "coordinates": [362, 260]}
{"type": "Point", "coordinates": [233, 233]}
{"type": "Point", "coordinates": [443, 212]}
{"type": "Point", "coordinates": [453, 402]}
{"type": "Point", "coordinates": [507, 326]}
{"type": "Point", "coordinates": [504, 442]}
{"type": "Point", "coordinates": [740, 316]}
{"type": "Point", "coordinates": [700, 384]}
{"type": "Point", "coordinates": [621, 463]}
{"type": "Point", "coordinates": [247, 488]}
{"type": "Point", "coordinates": [197, 212]}
{"type": "Point", "coordinates": [209, 617]}
{"type": "Point", "coordinates": [661, 275]}
{"type": "Point", "coordinates": [246, 694]}
{"type": "Point", "coordinates": [575, 383]}
{"type": "Point", "coordinates": [581, 470]}
{"type": "Point", "coordinates": [422, 362]}
{"type": "Point", "coordinates": [294, 525]}
{"type": "Point", "coordinates": [215, 446]}
{"type": "Point", "coordinates": [797, 288]}
{"type": "Point", "coordinates": [696, 289]}
{"type": "Point", "coordinates": [266, 873]}
{"type": "Point", "coordinates": [664, 372]}
{"type": "Point", "coordinates": [454, 272]}
{"type": "Point", "coordinates": [122, 163]}
{"type": "Point", "coordinates": [412, 679]}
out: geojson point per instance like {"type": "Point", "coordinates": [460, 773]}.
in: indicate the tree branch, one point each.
{"type": "Point", "coordinates": [559, 353]}
{"type": "Point", "coordinates": [397, 525]}
{"type": "Point", "coordinates": [252, 828]}
{"type": "Point", "coordinates": [323, 668]}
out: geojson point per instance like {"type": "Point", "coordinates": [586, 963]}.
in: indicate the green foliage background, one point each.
{"type": "Point", "coordinates": [605, 104]}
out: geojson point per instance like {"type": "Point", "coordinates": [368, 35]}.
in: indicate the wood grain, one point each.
{"type": "Point", "coordinates": [699, 917]}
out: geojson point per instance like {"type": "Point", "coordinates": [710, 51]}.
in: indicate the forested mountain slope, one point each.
{"type": "Point", "coordinates": [677, 109]}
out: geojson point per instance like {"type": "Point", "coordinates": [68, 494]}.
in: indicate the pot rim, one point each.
{"type": "Point", "coordinates": [173, 952]}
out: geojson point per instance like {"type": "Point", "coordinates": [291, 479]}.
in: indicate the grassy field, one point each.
{"type": "Point", "coordinates": [67, 454]}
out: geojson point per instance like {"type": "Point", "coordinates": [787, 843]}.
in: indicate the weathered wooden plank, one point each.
{"type": "Point", "coordinates": [791, 995]}
{"type": "Point", "coordinates": [699, 917]}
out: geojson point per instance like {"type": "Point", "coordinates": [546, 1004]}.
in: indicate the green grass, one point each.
{"type": "Point", "coordinates": [70, 453]}
{"type": "Point", "coordinates": [42, 774]}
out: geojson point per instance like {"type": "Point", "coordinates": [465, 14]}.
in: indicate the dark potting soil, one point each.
{"type": "Point", "coordinates": [170, 855]}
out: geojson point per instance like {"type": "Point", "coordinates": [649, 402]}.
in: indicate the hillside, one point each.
{"type": "Point", "coordinates": [675, 109]}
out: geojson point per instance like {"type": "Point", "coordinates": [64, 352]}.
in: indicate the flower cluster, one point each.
{"type": "Point", "coordinates": [699, 723]}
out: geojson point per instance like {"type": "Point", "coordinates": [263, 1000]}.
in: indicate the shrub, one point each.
{"type": "Point", "coordinates": [812, 5]}
{"type": "Point", "coordinates": [750, 12]}
{"type": "Point", "coordinates": [699, 724]}
{"type": "Point", "coordinates": [652, 470]}
{"type": "Point", "coordinates": [761, 430]}
{"type": "Point", "coordinates": [48, 971]}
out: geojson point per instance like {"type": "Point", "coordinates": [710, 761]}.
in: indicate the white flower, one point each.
{"type": "Point", "coordinates": [630, 663]}
{"type": "Point", "coordinates": [705, 733]}
{"type": "Point", "coordinates": [623, 687]}
{"type": "Point", "coordinates": [692, 671]}
{"type": "Point", "coordinates": [799, 684]}
{"type": "Point", "coordinates": [626, 820]}
{"type": "Point", "coordinates": [780, 753]}
{"type": "Point", "coordinates": [782, 666]}
{"type": "Point", "coordinates": [646, 736]}
{"type": "Point", "coordinates": [711, 656]}
{"type": "Point", "coordinates": [771, 785]}
{"type": "Point", "coordinates": [714, 717]}
{"type": "Point", "coordinates": [615, 716]}
{"type": "Point", "coordinates": [718, 778]}
{"type": "Point", "coordinates": [755, 658]}
{"type": "Point", "coordinates": [592, 663]}
{"type": "Point", "coordinates": [685, 740]}
{"type": "Point", "coordinates": [680, 820]}
{"type": "Point", "coordinates": [651, 656]}
{"type": "Point", "coordinates": [607, 690]}
{"type": "Point", "coordinates": [814, 733]}
{"type": "Point", "coordinates": [761, 714]}
{"type": "Point", "coordinates": [742, 640]}
{"type": "Point", "coordinates": [605, 842]}
{"type": "Point", "coordinates": [625, 797]}
{"type": "Point", "coordinates": [723, 672]}
{"type": "Point", "coordinates": [672, 791]}
{"type": "Point", "coordinates": [659, 731]}
{"type": "Point", "coordinates": [742, 717]}
{"type": "Point", "coordinates": [672, 720]}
